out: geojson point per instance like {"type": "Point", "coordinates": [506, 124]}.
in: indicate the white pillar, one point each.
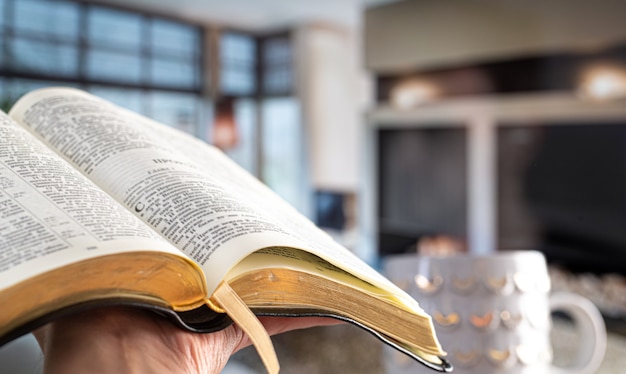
{"type": "Point", "coordinates": [481, 174]}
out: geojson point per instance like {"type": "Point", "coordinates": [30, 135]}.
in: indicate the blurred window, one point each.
{"type": "Point", "coordinates": [174, 38]}
{"type": "Point", "coordinates": [114, 29]}
{"type": "Point", "coordinates": [35, 56]}
{"type": "Point", "coordinates": [172, 72]}
{"type": "Point", "coordinates": [277, 65]}
{"type": "Point", "coordinates": [149, 64]}
{"type": "Point", "coordinates": [102, 65]}
{"type": "Point", "coordinates": [175, 54]}
{"type": "Point", "coordinates": [57, 20]}
{"type": "Point", "coordinates": [40, 37]}
{"type": "Point", "coordinates": [258, 73]}
{"type": "Point", "coordinates": [238, 64]}
{"type": "Point", "coordinates": [284, 169]}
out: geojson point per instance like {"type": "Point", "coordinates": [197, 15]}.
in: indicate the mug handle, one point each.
{"type": "Point", "coordinates": [590, 324]}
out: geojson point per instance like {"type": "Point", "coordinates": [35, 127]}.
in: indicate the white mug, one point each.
{"type": "Point", "coordinates": [492, 313]}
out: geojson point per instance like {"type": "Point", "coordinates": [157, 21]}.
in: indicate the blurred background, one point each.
{"type": "Point", "coordinates": [398, 126]}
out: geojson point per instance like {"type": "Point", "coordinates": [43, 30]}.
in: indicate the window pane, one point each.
{"type": "Point", "coordinates": [237, 47]}
{"type": "Point", "coordinates": [173, 37]}
{"type": "Point", "coordinates": [41, 57]}
{"type": "Point", "coordinates": [116, 67]}
{"type": "Point", "coordinates": [116, 47]}
{"type": "Point", "coordinates": [277, 51]}
{"type": "Point", "coordinates": [277, 80]}
{"type": "Point", "coordinates": [124, 97]}
{"type": "Point", "coordinates": [114, 28]}
{"type": "Point", "coordinates": [283, 166]}
{"type": "Point", "coordinates": [177, 110]}
{"type": "Point", "coordinates": [54, 18]}
{"type": "Point", "coordinates": [174, 73]}
{"type": "Point", "coordinates": [277, 77]}
{"type": "Point", "coordinates": [238, 60]}
{"type": "Point", "coordinates": [238, 81]}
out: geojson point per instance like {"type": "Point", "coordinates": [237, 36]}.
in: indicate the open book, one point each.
{"type": "Point", "coordinates": [101, 206]}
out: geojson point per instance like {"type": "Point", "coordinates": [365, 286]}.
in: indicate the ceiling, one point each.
{"type": "Point", "coordinates": [257, 14]}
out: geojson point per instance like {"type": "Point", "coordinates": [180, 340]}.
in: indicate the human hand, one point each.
{"type": "Point", "coordinates": [129, 340]}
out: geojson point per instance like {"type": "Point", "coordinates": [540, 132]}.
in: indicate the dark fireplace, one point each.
{"type": "Point", "coordinates": [562, 190]}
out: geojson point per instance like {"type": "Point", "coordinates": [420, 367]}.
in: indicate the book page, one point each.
{"type": "Point", "coordinates": [187, 190]}
{"type": "Point", "coordinates": [254, 193]}
{"type": "Point", "coordinates": [50, 215]}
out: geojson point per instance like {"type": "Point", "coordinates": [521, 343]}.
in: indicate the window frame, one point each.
{"type": "Point", "coordinates": [81, 77]}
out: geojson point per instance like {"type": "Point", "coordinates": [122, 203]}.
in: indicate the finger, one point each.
{"type": "Point", "coordinates": [277, 325]}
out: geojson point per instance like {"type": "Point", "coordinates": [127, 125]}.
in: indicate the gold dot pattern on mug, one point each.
{"type": "Point", "coordinates": [484, 321]}
{"type": "Point", "coordinates": [466, 359]}
{"type": "Point", "coordinates": [428, 286]}
{"type": "Point", "coordinates": [501, 285]}
{"type": "Point", "coordinates": [491, 315]}
{"type": "Point", "coordinates": [510, 320]}
{"type": "Point", "coordinates": [502, 357]}
{"type": "Point", "coordinates": [447, 320]}
{"type": "Point", "coordinates": [463, 285]}
{"type": "Point", "coordinates": [492, 319]}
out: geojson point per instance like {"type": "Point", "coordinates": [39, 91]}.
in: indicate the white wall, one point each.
{"type": "Point", "coordinates": [333, 88]}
